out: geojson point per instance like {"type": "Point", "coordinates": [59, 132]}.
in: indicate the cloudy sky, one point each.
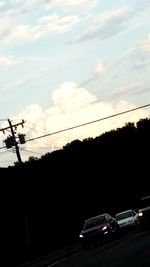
{"type": "Point", "coordinates": [64, 63]}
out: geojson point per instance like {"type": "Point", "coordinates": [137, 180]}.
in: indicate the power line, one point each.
{"type": "Point", "coordinates": [4, 153]}
{"type": "Point", "coordinates": [25, 150]}
{"type": "Point", "coordinates": [11, 140]}
{"type": "Point", "coordinates": [35, 125]}
{"type": "Point", "coordinates": [90, 122]}
{"type": "Point", "coordinates": [3, 119]}
{"type": "Point", "coordinates": [37, 131]}
{"type": "Point", "coordinates": [3, 161]}
{"type": "Point", "coordinates": [42, 147]}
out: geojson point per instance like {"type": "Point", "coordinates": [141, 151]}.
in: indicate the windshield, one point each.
{"type": "Point", "coordinates": [123, 215]}
{"type": "Point", "coordinates": [94, 222]}
{"type": "Point", "coordinates": [145, 202]}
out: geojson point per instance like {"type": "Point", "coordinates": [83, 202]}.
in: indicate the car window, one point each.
{"type": "Point", "coordinates": [108, 217]}
{"type": "Point", "coordinates": [94, 222]}
{"type": "Point", "coordinates": [133, 212]}
{"type": "Point", "coordinates": [123, 215]}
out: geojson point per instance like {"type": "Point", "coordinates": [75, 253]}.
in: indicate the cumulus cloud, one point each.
{"type": "Point", "coordinates": [72, 105]}
{"type": "Point", "coordinates": [32, 113]}
{"type": "Point", "coordinates": [71, 91]}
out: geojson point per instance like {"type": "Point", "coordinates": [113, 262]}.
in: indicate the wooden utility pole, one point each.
{"type": "Point", "coordinates": [15, 143]}
{"type": "Point", "coordinates": [11, 140]}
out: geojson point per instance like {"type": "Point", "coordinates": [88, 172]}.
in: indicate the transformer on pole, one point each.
{"type": "Point", "coordinates": [11, 140]}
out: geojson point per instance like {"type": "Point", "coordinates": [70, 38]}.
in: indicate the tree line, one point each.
{"type": "Point", "coordinates": [45, 201]}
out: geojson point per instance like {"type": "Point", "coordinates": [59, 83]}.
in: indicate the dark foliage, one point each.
{"type": "Point", "coordinates": [44, 201]}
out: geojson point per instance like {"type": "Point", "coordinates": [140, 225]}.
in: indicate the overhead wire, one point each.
{"type": "Point", "coordinates": [2, 147]}
{"type": "Point", "coordinates": [76, 126]}
{"type": "Point", "coordinates": [40, 131]}
{"type": "Point", "coordinates": [5, 152]}
{"type": "Point", "coordinates": [3, 119]}
{"type": "Point", "coordinates": [90, 122]}
{"type": "Point", "coordinates": [26, 150]}
{"type": "Point", "coordinates": [35, 125]}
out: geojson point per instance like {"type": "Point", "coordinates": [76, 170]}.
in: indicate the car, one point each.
{"type": "Point", "coordinates": [144, 211]}
{"type": "Point", "coordinates": [96, 229]}
{"type": "Point", "coordinates": [127, 219]}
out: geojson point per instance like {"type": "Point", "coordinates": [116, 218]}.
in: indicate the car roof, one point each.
{"type": "Point", "coordinates": [145, 197]}
{"type": "Point", "coordinates": [95, 217]}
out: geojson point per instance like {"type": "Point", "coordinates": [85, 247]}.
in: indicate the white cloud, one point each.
{"type": "Point", "coordinates": [138, 56]}
{"type": "Point", "coordinates": [57, 24]}
{"type": "Point", "coordinates": [23, 7]}
{"type": "Point", "coordinates": [70, 91]}
{"type": "Point", "coordinates": [71, 106]}
{"type": "Point", "coordinates": [70, 5]}
{"type": "Point", "coordinates": [142, 47]}
{"type": "Point", "coordinates": [127, 90]}
{"type": "Point", "coordinates": [46, 26]}
{"type": "Point", "coordinates": [31, 113]}
{"type": "Point", "coordinates": [20, 21]}
{"type": "Point", "coordinates": [100, 68]}
{"type": "Point", "coordinates": [66, 5]}
{"type": "Point", "coordinates": [145, 45]}
{"type": "Point", "coordinates": [107, 24]}
{"type": "Point", "coordinates": [7, 24]}
{"type": "Point", "coordinates": [7, 61]}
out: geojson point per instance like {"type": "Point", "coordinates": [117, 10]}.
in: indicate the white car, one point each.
{"type": "Point", "coordinates": [127, 219]}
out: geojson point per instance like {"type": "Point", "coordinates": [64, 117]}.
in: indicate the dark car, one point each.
{"type": "Point", "coordinates": [144, 211]}
{"type": "Point", "coordinates": [97, 228]}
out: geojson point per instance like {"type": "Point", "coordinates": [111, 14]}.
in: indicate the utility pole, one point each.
{"type": "Point", "coordinates": [11, 140]}
{"type": "Point", "coordinates": [15, 143]}
{"type": "Point", "coordinates": [27, 232]}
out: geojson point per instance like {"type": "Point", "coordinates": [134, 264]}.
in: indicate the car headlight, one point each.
{"type": "Point", "coordinates": [140, 214]}
{"type": "Point", "coordinates": [104, 228]}
{"type": "Point", "coordinates": [81, 236]}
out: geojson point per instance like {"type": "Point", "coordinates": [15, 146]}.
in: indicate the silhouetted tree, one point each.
{"type": "Point", "coordinates": [52, 195]}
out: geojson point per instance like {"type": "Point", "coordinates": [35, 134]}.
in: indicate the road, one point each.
{"type": "Point", "coordinates": [131, 249]}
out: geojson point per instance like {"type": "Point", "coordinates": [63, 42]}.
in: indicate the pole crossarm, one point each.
{"type": "Point", "coordinates": [11, 140]}
{"type": "Point", "coordinates": [14, 125]}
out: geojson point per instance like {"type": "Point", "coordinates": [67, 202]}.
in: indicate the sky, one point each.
{"type": "Point", "coordinates": [65, 63]}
